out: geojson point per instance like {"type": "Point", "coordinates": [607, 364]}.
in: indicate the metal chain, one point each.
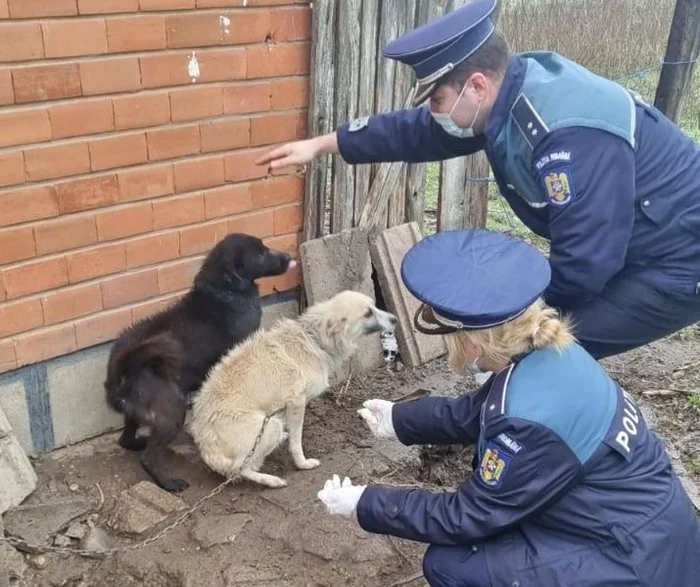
{"type": "Point", "coordinates": [41, 549]}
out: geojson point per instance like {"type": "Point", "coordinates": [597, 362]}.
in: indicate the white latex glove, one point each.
{"type": "Point", "coordinates": [341, 498]}
{"type": "Point", "coordinates": [377, 415]}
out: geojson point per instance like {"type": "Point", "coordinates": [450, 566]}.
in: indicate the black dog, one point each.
{"type": "Point", "coordinates": [156, 365]}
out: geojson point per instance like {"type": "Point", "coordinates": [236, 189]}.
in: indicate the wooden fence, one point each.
{"type": "Point", "coordinates": [350, 78]}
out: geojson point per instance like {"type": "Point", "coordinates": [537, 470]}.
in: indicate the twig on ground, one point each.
{"type": "Point", "coordinates": [668, 391]}
{"type": "Point", "coordinates": [406, 580]}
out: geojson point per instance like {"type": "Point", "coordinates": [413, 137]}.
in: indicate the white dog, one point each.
{"type": "Point", "coordinates": [278, 370]}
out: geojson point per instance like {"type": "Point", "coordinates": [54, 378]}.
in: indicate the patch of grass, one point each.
{"type": "Point", "coordinates": [694, 401]}
{"type": "Point", "coordinates": [688, 333]}
{"type": "Point", "coordinates": [693, 467]}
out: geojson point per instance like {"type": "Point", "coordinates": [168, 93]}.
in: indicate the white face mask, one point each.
{"type": "Point", "coordinates": [450, 126]}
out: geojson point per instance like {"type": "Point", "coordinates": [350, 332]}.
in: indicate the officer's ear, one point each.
{"type": "Point", "coordinates": [480, 85]}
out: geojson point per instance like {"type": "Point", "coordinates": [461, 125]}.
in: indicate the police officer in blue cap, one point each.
{"type": "Point", "coordinates": [608, 179]}
{"type": "Point", "coordinates": [570, 486]}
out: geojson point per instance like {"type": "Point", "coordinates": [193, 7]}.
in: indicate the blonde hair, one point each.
{"type": "Point", "coordinates": [539, 327]}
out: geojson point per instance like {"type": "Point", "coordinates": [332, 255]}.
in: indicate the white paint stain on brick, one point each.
{"type": "Point", "coordinates": [224, 23]}
{"type": "Point", "coordinates": [193, 67]}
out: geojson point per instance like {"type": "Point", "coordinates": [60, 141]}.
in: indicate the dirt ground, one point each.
{"type": "Point", "coordinates": [283, 537]}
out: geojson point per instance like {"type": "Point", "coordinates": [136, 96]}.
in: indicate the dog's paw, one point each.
{"type": "Point", "coordinates": [275, 482]}
{"type": "Point", "coordinates": [134, 443]}
{"type": "Point", "coordinates": [308, 464]}
{"type": "Point", "coordinates": [174, 485]}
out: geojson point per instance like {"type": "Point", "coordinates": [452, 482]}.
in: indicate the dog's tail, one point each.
{"type": "Point", "coordinates": [161, 354]}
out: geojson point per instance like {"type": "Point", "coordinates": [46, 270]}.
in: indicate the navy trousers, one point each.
{"type": "Point", "coordinates": [630, 313]}
{"type": "Point", "coordinates": [455, 566]}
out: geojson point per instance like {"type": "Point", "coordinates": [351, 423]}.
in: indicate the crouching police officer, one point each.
{"type": "Point", "coordinates": [570, 486]}
{"type": "Point", "coordinates": [611, 182]}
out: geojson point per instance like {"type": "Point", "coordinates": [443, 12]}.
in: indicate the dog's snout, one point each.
{"type": "Point", "coordinates": [386, 320]}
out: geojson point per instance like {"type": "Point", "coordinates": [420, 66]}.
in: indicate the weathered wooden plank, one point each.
{"type": "Point", "coordinates": [682, 51]}
{"type": "Point", "coordinates": [452, 192]}
{"type": "Point", "coordinates": [347, 74]}
{"type": "Point", "coordinates": [366, 91]}
{"type": "Point", "coordinates": [320, 113]}
{"type": "Point", "coordinates": [476, 195]}
{"type": "Point", "coordinates": [405, 19]}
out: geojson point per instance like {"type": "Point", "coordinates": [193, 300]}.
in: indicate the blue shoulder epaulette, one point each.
{"type": "Point", "coordinates": [531, 125]}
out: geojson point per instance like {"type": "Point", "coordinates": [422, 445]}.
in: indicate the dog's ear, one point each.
{"type": "Point", "coordinates": [232, 278]}
{"type": "Point", "coordinates": [333, 329]}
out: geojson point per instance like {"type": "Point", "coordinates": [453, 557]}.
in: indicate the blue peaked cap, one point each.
{"type": "Point", "coordinates": [437, 47]}
{"type": "Point", "coordinates": [473, 279]}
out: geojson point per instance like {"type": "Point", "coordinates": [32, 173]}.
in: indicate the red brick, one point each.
{"type": "Point", "coordinates": [4, 10]}
{"type": "Point", "coordinates": [21, 41]}
{"type": "Point", "coordinates": [260, 224]}
{"type": "Point", "coordinates": [222, 65]}
{"type": "Point", "coordinates": [178, 276]}
{"type": "Point", "coordinates": [208, 28]}
{"type": "Point", "coordinates": [81, 118]}
{"type": "Point", "coordinates": [161, 70]}
{"type": "Point", "coordinates": [194, 103]}
{"type": "Point", "coordinates": [178, 211]}
{"type": "Point", "coordinates": [166, 4]}
{"type": "Point", "coordinates": [148, 309]}
{"type": "Point", "coordinates": [101, 328]}
{"type": "Point", "coordinates": [47, 343]}
{"type": "Point", "coordinates": [291, 93]}
{"type": "Point", "coordinates": [280, 283]}
{"type": "Point", "coordinates": [8, 359]}
{"type": "Point", "coordinates": [11, 168]}
{"type": "Point", "coordinates": [223, 135]}
{"type": "Point", "coordinates": [227, 201]}
{"type": "Point", "coordinates": [145, 32]}
{"type": "Point", "coordinates": [288, 243]}
{"type": "Point", "coordinates": [22, 127]}
{"type": "Point", "coordinates": [172, 69]}
{"type": "Point", "coordinates": [96, 262]}
{"type": "Point", "coordinates": [249, 97]}
{"type": "Point", "coordinates": [146, 182]}
{"type": "Point", "coordinates": [64, 234]}
{"type": "Point", "coordinates": [126, 289]}
{"type": "Point", "coordinates": [278, 60]}
{"type": "Point", "coordinates": [195, 174]}
{"type": "Point", "coordinates": [240, 166]}
{"type": "Point", "coordinates": [289, 219]}
{"type": "Point", "coordinates": [35, 277]}
{"type": "Point", "coordinates": [201, 239]}
{"type": "Point", "coordinates": [107, 6]}
{"type": "Point", "coordinates": [278, 190]}
{"type": "Point", "coordinates": [7, 92]}
{"type": "Point", "coordinates": [59, 160]}
{"type": "Point", "coordinates": [291, 24]}
{"type": "Point", "coordinates": [38, 9]}
{"type": "Point", "coordinates": [85, 194]}
{"type": "Point", "coordinates": [277, 128]}
{"type": "Point", "coordinates": [74, 302]}
{"type": "Point", "coordinates": [28, 204]}
{"type": "Point", "coordinates": [118, 151]}
{"type": "Point", "coordinates": [141, 111]}
{"type": "Point", "coordinates": [16, 244]}
{"type": "Point", "coordinates": [153, 249]}
{"type": "Point", "coordinates": [46, 82]}
{"type": "Point", "coordinates": [73, 37]}
{"type": "Point", "coordinates": [20, 316]}
{"type": "Point", "coordinates": [110, 76]}
{"type": "Point", "coordinates": [170, 143]}
{"type": "Point", "coordinates": [124, 221]}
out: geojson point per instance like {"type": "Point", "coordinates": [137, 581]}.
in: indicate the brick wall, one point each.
{"type": "Point", "coordinates": [128, 131]}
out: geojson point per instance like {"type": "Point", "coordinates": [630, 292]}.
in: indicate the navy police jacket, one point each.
{"type": "Point", "coordinates": [608, 179]}
{"type": "Point", "coordinates": [570, 486]}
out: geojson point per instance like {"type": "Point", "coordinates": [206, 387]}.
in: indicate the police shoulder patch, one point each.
{"type": "Point", "coordinates": [358, 124]}
{"type": "Point", "coordinates": [559, 186]}
{"type": "Point", "coordinates": [494, 465]}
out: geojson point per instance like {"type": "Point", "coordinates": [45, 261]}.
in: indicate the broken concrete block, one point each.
{"type": "Point", "coordinates": [142, 507]}
{"type": "Point", "coordinates": [16, 471]}
{"type": "Point", "coordinates": [388, 251]}
{"type": "Point", "coordinates": [38, 523]}
{"type": "Point", "coordinates": [215, 530]}
{"type": "Point", "coordinates": [335, 263]}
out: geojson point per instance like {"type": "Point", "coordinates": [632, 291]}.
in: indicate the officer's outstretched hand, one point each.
{"type": "Point", "coordinates": [341, 498]}
{"type": "Point", "coordinates": [377, 415]}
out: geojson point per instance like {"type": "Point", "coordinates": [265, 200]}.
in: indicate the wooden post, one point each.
{"type": "Point", "coordinates": [320, 114]}
{"type": "Point", "coordinates": [4, 575]}
{"type": "Point", "coordinates": [476, 195]}
{"type": "Point", "coordinates": [681, 52]}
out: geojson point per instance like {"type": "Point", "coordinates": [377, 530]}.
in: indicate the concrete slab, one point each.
{"type": "Point", "coordinates": [388, 251]}
{"type": "Point", "coordinates": [275, 312]}
{"type": "Point", "coordinates": [13, 402]}
{"type": "Point", "coordinates": [18, 477]}
{"type": "Point", "coordinates": [77, 396]}
{"type": "Point", "coordinates": [335, 263]}
{"type": "Point", "coordinates": [37, 524]}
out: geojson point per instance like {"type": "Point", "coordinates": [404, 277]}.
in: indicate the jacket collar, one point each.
{"type": "Point", "coordinates": [510, 90]}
